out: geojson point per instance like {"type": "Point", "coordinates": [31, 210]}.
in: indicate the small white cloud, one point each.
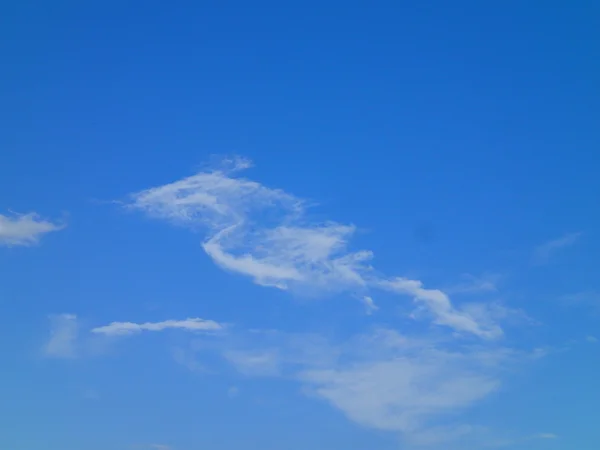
{"type": "Point", "coordinates": [543, 253]}
{"type": "Point", "coordinates": [370, 306]}
{"type": "Point", "coordinates": [127, 328]}
{"type": "Point", "coordinates": [63, 337]}
{"type": "Point", "coordinates": [24, 229]}
{"type": "Point", "coordinates": [438, 304]}
{"type": "Point", "coordinates": [591, 339]}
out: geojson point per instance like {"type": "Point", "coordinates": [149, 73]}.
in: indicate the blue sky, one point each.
{"type": "Point", "coordinates": [314, 225]}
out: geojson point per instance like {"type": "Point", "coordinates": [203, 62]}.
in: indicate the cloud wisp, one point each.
{"type": "Point", "coordinates": [128, 328]}
{"type": "Point", "coordinates": [380, 379]}
{"type": "Point", "coordinates": [415, 386]}
{"type": "Point", "coordinates": [62, 343]}
{"type": "Point", "coordinates": [24, 229]}
{"type": "Point", "coordinates": [265, 234]}
{"type": "Point", "coordinates": [476, 285]}
{"type": "Point", "coordinates": [370, 306]}
{"type": "Point", "coordinates": [544, 252]}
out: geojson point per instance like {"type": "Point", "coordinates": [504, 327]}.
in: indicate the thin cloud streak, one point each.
{"type": "Point", "coordinates": [438, 304]}
{"type": "Point", "coordinates": [62, 342]}
{"type": "Point", "coordinates": [128, 328]}
{"type": "Point", "coordinates": [24, 229]}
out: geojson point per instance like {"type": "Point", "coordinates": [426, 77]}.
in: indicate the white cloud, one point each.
{"type": "Point", "coordinates": [24, 229]}
{"type": "Point", "coordinates": [264, 234]}
{"type": "Point", "coordinates": [380, 379]}
{"type": "Point", "coordinates": [438, 305]}
{"type": "Point", "coordinates": [400, 394]}
{"type": "Point", "coordinates": [543, 253]}
{"type": "Point", "coordinates": [63, 337]}
{"type": "Point", "coordinates": [370, 306]}
{"type": "Point", "coordinates": [384, 380]}
{"type": "Point", "coordinates": [127, 328]}
{"type": "Point", "coordinates": [257, 231]}
{"type": "Point", "coordinates": [591, 339]}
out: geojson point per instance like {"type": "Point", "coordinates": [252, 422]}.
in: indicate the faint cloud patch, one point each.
{"type": "Point", "coordinates": [472, 284]}
{"type": "Point", "coordinates": [382, 379]}
{"type": "Point", "coordinates": [187, 359]}
{"type": "Point", "coordinates": [62, 343]}
{"type": "Point", "coordinates": [545, 436]}
{"type": "Point", "coordinates": [369, 304]}
{"type": "Point", "coordinates": [257, 363]}
{"type": "Point", "coordinates": [233, 392]}
{"type": "Point", "coordinates": [544, 252]}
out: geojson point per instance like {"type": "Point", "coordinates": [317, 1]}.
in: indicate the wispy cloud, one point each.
{"type": "Point", "coordinates": [544, 252]}
{"type": "Point", "coordinates": [24, 229]}
{"type": "Point", "coordinates": [439, 306]}
{"type": "Point", "coordinates": [261, 362]}
{"type": "Point", "coordinates": [62, 342]}
{"type": "Point", "coordinates": [370, 306]}
{"type": "Point", "coordinates": [382, 379]}
{"type": "Point", "coordinates": [127, 328]}
{"type": "Point", "coordinates": [379, 379]}
{"type": "Point", "coordinates": [265, 234]}
{"type": "Point", "coordinates": [472, 284]}
{"type": "Point", "coordinates": [257, 231]}
{"type": "Point", "coordinates": [187, 359]}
